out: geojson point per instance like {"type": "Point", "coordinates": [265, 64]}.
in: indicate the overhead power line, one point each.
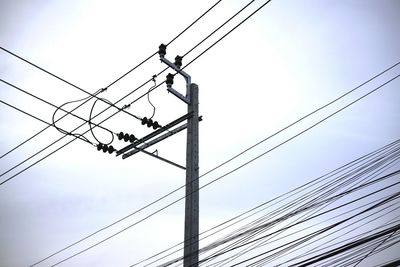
{"type": "Point", "coordinates": [303, 239]}
{"type": "Point", "coordinates": [230, 172]}
{"type": "Point", "coordinates": [108, 86]}
{"type": "Point", "coordinates": [51, 104]}
{"type": "Point", "coordinates": [143, 95]}
{"type": "Point", "coordinates": [331, 176]}
{"type": "Point", "coordinates": [80, 137]}
{"type": "Point", "coordinates": [63, 80]}
{"type": "Point", "coordinates": [170, 42]}
{"type": "Point", "coordinates": [220, 165]}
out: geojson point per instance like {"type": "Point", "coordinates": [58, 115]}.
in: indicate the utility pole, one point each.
{"type": "Point", "coordinates": [191, 241]}
{"type": "Point", "coordinates": [191, 232]}
{"type": "Point", "coordinates": [191, 244]}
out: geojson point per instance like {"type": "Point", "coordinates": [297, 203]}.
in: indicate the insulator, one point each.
{"type": "Point", "coordinates": [132, 138]}
{"type": "Point", "coordinates": [144, 121]}
{"type": "Point", "coordinates": [105, 148]}
{"type": "Point", "coordinates": [162, 50]}
{"type": "Point", "coordinates": [111, 149]}
{"type": "Point", "coordinates": [149, 123]}
{"type": "Point", "coordinates": [170, 80]}
{"type": "Point", "coordinates": [178, 61]}
{"type": "Point", "coordinates": [155, 125]}
{"type": "Point", "coordinates": [126, 137]}
{"type": "Point", "coordinates": [99, 147]}
{"type": "Point", "coordinates": [120, 136]}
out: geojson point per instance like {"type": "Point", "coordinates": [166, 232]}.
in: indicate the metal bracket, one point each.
{"type": "Point", "coordinates": [178, 95]}
{"type": "Point", "coordinates": [156, 140]}
{"type": "Point", "coordinates": [187, 77]}
{"type": "Point", "coordinates": [153, 134]}
{"type": "Point", "coordinates": [160, 158]}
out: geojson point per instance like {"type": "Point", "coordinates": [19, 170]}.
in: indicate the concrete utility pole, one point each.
{"type": "Point", "coordinates": [191, 244]}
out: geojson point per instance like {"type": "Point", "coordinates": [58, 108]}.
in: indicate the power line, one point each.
{"type": "Point", "coordinates": [51, 104]}
{"type": "Point", "coordinates": [133, 92]}
{"type": "Point", "coordinates": [230, 172]}
{"type": "Point", "coordinates": [301, 209]}
{"type": "Point", "coordinates": [220, 165]}
{"type": "Point", "coordinates": [218, 28]}
{"type": "Point", "coordinates": [80, 137]}
{"type": "Point", "coordinates": [375, 154]}
{"type": "Point", "coordinates": [390, 198]}
{"type": "Point", "coordinates": [226, 34]}
{"type": "Point", "coordinates": [44, 129]}
{"type": "Point", "coordinates": [61, 79]}
{"type": "Point", "coordinates": [348, 246]}
{"type": "Point", "coordinates": [321, 196]}
{"type": "Point", "coordinates": [172, 40]}
{"type": "Point", "coordinates": [201, 55]}
{"type": "Point", "coordinates": [109, 85]}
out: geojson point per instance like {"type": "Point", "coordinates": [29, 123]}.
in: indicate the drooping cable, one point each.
{"type": "Point", "coordinates": [59, 78]}
{"type": "Point", "coordinates": [148, 96]}
{"type": "Point", "coordinates": [51, 104]}
{"type": "Point", "coordinates": [108, 86]}
{"type": "Point", "coordinates": [79, 136]}
{"type": "Point", "coordinates": [91, 125]}
{"type": "Point", "coordinates": [41, 131]}
{"type": "Point", "coordinates": [66, 133]}
{"type": "Point", "coordinates": [133, 92]}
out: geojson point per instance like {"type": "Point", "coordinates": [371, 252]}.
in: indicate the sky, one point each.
{"type": "Point", "coordinates": [284, 62]}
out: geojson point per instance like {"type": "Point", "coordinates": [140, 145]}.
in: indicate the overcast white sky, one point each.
{"type": "Point", "coordinates": [287, 60]}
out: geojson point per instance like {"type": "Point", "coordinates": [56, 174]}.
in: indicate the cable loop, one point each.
{"type": "Point", "coordinates": [148, 95]}
{"type": "Point", "coordinates": [91, 127]}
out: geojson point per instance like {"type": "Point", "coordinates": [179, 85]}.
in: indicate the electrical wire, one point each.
{"type": "Point", "coordinates": [130, 94]}
{"type": "Point", "coordinates": [321, 196]}
{"type": "Point", "coordinates": [163, 197]}
{"type": "Point", "coordinates": [61, 79]}
{"type": "Point", "coordinates": [281, 198]}
{"type": "Point", "coordinates": [108, 86]}
{"type": "Point", "coordinates": [148, 96]}
{"type": "Point", "coordinates": [53, 152]}
{"type": "Point", "coordinates": [67, 133]}
{"type": "Point", "coordinates": [60, 108]}
{"type": "Point", "coordinates": [316, 205]}
{"type": "Point", "coordinates": [348, 246]}
{"type": "Point", "coordinates": [302, 239]}
{"type": "Point", "coordinates": [51, 104]}
{"type": "Point", "coordinates": [36, 134]}
{"type": "Point", "coordinates": [218, 28]}
{"type": "Point", "coordinates": [251, 225]}
{"type": "Point", "coordinates": [182, 68]}
{"type": "Point", "coordinates": [80, 137]}
{"type": "Point", "coordinates": [239, 167]}
{"type": "Point", "coordinates": [172, 40]}
{"type": "Point", "coordinates": [91, 125]}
